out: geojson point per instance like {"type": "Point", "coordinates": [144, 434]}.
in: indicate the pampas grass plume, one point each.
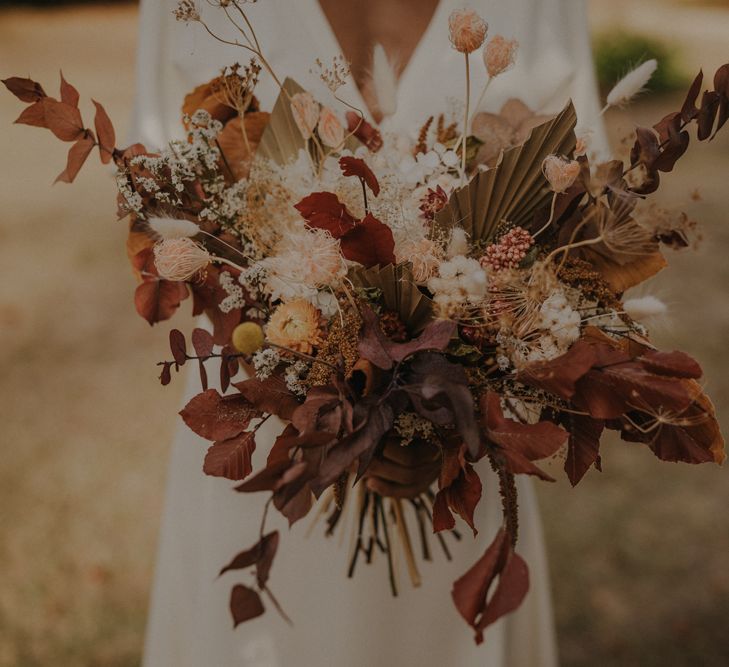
{"type": "Point", "coordinates": [384, 81]}
{"type": "Point", "coordinates": [645, 308]}
{"type": "Point", "coordinates": [171, 228]}
{"type": "Point", "coordinates": [631, 84]}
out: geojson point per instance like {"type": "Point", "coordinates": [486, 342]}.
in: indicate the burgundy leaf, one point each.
{"type": "Point", "coordinates": [105, 132]}
{"type": "Point", "coordinates": [323, 210]}
{"type": "Point", "coordinates": [203, 375]}
{"type": "Point", "coordinates": [370, 243]}
{"type": "Point", "coordinates": [471, 592]}
{"type": "Point", "coordinates": [231, 458]}
{"type": "Point", "coordinates": [215, 417]}
{"type": "Point", "coordinates": [157, 300]}
{"type": "Point", "coordinates": [382, 352]}
{"type": "Point", "coordinates": [460, 491]}
{"type": "Point", "coordinates": [245, 604]}
{"type": "Point", "coordinates": [689, 111]}
{"type": "Point", "coordinates": [707, 114]}
{"type": "Point", "coordinates": [270, 395]}
{"type": "Point", "coordinates": [674, 364]}
{"type": "Point", "coordinates": [166, 376]}
{"type": "Point", "coordinates": [69, 95]}
{"type": "Point", "coordinates": [353, 166]}
{"type": "Point", "coordinates": [178, 347]}
{"type": "Point", "coordinates": [77, 155]}
{"type": "Point", "coordinates": [202, 342]}
{"type": "Point", "coordinates": [26, 90]}
{"type": "Point", "coordinates": [584, 446]}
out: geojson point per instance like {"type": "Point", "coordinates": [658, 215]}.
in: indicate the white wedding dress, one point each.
{"type": "Point", "coordinates": [340, 621]}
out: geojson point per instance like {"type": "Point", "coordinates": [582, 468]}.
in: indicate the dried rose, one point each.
{"type": "Point", "coordinates": [305, 110]}
{"type": "Point", "coordinates": [331, 130]}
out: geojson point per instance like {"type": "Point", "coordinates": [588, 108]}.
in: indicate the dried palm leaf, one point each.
{"type": "Point", "coordinates": [282, 140]}
{"type": "Point", "coordinates": [400, 294]}
{"type": "Point", "coordinates": [516, 188]}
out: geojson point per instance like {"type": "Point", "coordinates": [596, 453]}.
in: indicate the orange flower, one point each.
{"type": "Point", "coordinates": [560, 173]}
{"type": "Point", "coordinates": [467, 30]}
{"type": "Point", "coordinates": [331, 130]}
{"type": "Point", "coordinates": [305, 111]}
{"type": "Point", "coordinates": [295, 324]}
{"type": "Point", "coordinates": [499, 55]}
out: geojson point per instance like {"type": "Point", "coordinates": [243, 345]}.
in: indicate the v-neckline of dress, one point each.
{"type": "Point", "coordinates": [321, 29]}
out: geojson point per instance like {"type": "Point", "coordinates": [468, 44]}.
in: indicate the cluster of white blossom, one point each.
{"type": "Point", "coordinates": [460, 281]}
{"type": "Point", "coordinates": [236, 296]}
{"type": "Point", "coordinates": [265, 362]}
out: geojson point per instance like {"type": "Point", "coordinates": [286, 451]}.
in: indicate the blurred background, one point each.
{"type": "Point", "coordinates": [638, 553]}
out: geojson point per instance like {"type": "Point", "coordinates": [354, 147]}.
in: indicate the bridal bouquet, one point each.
{"type": "Point", "coordinates": [424, 302]}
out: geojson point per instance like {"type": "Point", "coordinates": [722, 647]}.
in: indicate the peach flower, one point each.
{"type": "Point", "coordinates": [180, 259]}
{"type": "Point", "coordinates": [331, 130]}
{"type": "Point", "coordinates": [560, 173]}
{"type": "Point", "coordinates": [467, 30]}
{"type": "Point", "coordinates": [424, 255]}
{"type": "Point", "coordinates": [305, 111]}
{"type": "Point", "coordinates": [499, 55]}
{"type": "Point", "coordinates": [296, 325]}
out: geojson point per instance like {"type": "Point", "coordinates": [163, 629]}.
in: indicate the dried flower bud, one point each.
{"type": "Point", "coordinates": [186, 11]}
{"type": "Point", "coordinates": [499, 55]}
{"type": "Point", "coordinates": [247, 337]}
{"type": "Point", "coordinates": [305, 111]}
{"type": "Point", "coordinates": [560, 173]}
{"type": "Point", "coordinates": [467, 30]}
{"type": "Point", "coordinates": [180, 259]}
{"type": "Point", "coordinates": [331, 130]}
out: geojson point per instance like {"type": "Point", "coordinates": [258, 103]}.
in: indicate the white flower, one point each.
{"type": "Point", "coordinates": [460, 280]}
{"type": "Point", "coordinates": [558, 318]}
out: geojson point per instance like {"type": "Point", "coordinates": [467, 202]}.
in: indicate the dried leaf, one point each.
{"type": "Point", "coordinates": [231, 458]}
{"type": "Point", "coordinates": [584, 446]}
{"type": "Point", "coordinates": [218, 418]}
{"type": "Point", "coordinates": [383, 352]}
{"type": "Point", "coordinates": [245, 604]}
{"type": "Point", "coordinates": [34, 115]}
{"type": "Point", "coordinates": [77, 155]}
{"type": "Point", "coordinates": [69, 95]}
{"type": "Point", "coordinates": [202, 342]}
{"type": "Point", "coordinates": [362, 130]}
{"type": "Point", "coordinates": [270, 395]}
{"type": "Point", "coordinates": [460, 491]}
{"type": "Point", "coordinates": [239, 149]}
{"type": "Point", "coordinates": [63, 120]}
{"type": "Point", "coordinates": [323, 210]}
{"type": "Point", "coordinates": [369, 242]}
{"type": "Point", "coordinates": [471, 592]}
{"type": "Point", "coordinates": [157, 300]}
{"type": "Point", "coordinates": [352, 166]}
{"type": "Point", "coordinates": [26, 90]}
{"type": "Point", "coordinates": [178, 346]}
{"type": "Point", "coordinates": [105, 132]}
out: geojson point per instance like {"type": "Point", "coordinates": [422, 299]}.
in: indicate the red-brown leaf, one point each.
{"type": "Point", "coordinates": [323, 210]}
{"type": "Point", "coordinates": [178, 347]}
{"type": "Point", "coordinates": [202, 342]}
{"type": "Point", "coordinates": [105, 132]}
{"type": "Point", "coordinates": [34, 115]}
{"type": "Point", "coordinates": [26, 90]}
{"type": "Point", "coordinates": [674, 364]}
{"type": "Point", "coordinates": [460, 491]}
{"type": "Point", "coordinates": [216, 417]}
{"type": "Point", "coordinates": [77, 155]}
{"type": "Point", "coordinates": [689, 109]}
{"type": "Point", "coordinates": [63, 120]}
{"type": "Point", "coordinates": [353, 166]}
{"type": "Point", "coordinates": [245, 604]}
{"type": "Point", "coordinates": [532, 441]}
{"type": "Point", "coordinates": [584, 446]}
{"type": "Point", "coordinates": [157, 300]}
{"type": "Point", "coordinates": [471, 592]}
{"type": "Point", "coordinates": [370, 243]}
{"type": "Point", "coordinates": [270, 395]}
{"type": "Point", "coordinates": [69, 95]}
{"type": "Point", "coordinates": [231, 458]}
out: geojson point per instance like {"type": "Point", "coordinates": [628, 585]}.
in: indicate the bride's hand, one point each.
{"type": "Point", "coordinates": [404, 472]}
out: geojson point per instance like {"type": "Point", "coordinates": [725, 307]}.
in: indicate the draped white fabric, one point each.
{"type": "Point", "coordinates": [338, 621]}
